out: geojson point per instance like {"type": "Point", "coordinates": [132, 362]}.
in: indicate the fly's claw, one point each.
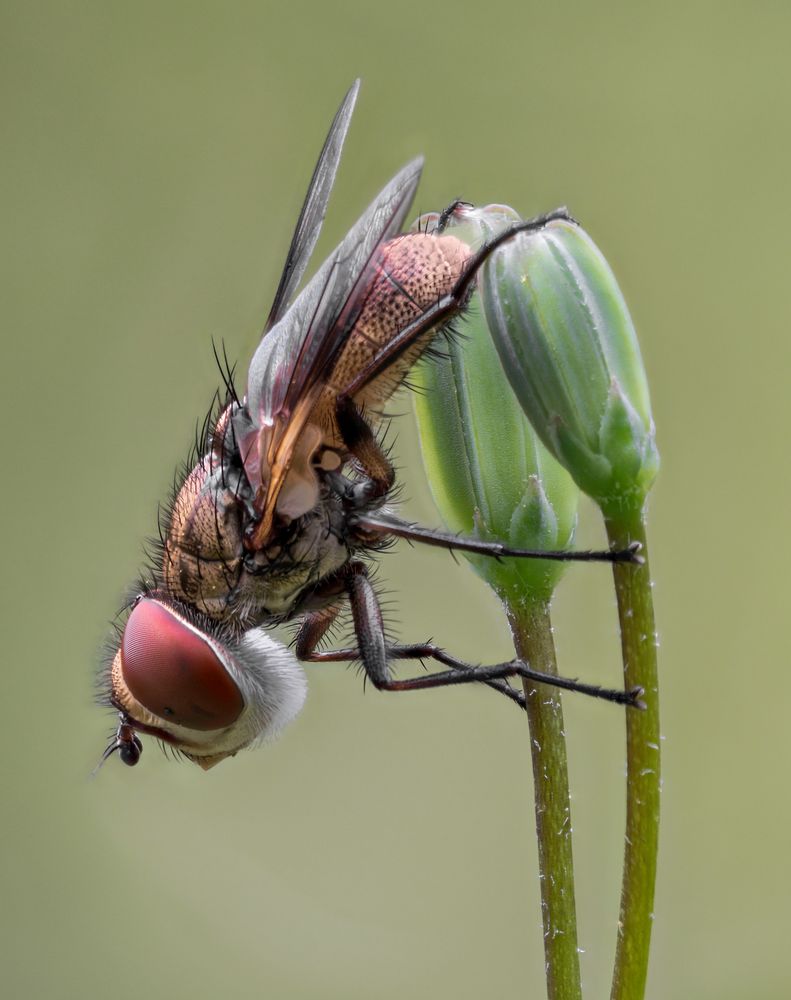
{"type": "Point", "coordinates": [631, 554]}
{"type": "Point", "coordinates": [636, 698]}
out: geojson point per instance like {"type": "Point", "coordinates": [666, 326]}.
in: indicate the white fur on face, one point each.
{"type": "Point", "coordinates": [272, 682]}
{"type": "Point", "coordinates": [270, 679]}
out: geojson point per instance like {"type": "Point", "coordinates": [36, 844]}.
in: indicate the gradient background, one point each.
{"type": "Point", "coordinates": [154, 158]}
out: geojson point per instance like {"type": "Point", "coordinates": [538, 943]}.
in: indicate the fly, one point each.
{"type": "Point", "coordinates": [275, 520]}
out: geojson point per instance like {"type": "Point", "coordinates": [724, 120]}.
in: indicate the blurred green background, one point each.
{"type": "Point", "coordinates": [154, 158]}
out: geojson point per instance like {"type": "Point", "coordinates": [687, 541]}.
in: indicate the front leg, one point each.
{"type": "Point", "coordinates": [316, 624]}
{"type": "Point", "coordinates": [373, 652]}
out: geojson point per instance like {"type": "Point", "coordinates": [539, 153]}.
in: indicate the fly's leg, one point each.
{"type": "Point", "coordinates": [384, 525]}
{"type": "Point", "coordinates": [361, 442]}
{"type": "Point", "coordinates": [372, 650]}
{"type": "Point", "coordinates": [370, 636]}
{"type": "Point", "coordinates": [447, 213]}
{"type": "Point", "coordinates": [315, 625]}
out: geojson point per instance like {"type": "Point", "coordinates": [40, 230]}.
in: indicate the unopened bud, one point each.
{"type": "Point", "coordinates": [567, 343]}
{"type": "Point", "coordinates": [490, 476]}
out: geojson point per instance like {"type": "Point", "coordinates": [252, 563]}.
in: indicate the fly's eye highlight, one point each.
{"type": "Point", "coordinates": [174, 672]}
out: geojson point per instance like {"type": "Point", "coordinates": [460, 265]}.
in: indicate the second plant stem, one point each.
{"type": "Point", "coordinates": [639, 646]}
{"type": "Point", "coordinates": [532, 634]}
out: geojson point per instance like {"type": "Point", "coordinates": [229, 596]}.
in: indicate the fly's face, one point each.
{"type": "Point", "coordinates": [175, 678]}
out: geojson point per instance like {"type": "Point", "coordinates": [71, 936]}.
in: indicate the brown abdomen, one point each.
{"type": "Point", "coordinates": [412, 273]}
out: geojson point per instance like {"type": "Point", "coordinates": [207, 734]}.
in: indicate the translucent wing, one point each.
{"type": "Point", "coordinates": [314, 208]}
{"type": "Point", "coordinates": [292, 363]}
{"type": "Point", "coordinates": [322, 316]}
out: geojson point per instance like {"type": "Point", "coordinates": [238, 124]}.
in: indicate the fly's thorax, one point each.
{"type": "Point", "coordinates": [298, 556]}
{"type": "Point", "coordinates": [177, 677]}
{"type": "Point", "coordinates": [204, 539]}
{"type": "Point", "coordinates": [207, 565]}
{"type": "Point", "coordinates": [411, 274]}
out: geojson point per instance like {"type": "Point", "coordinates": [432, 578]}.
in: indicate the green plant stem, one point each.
{"type": "Point", "coordinates": [639, 649]}
{"type": "Point", "coordinates": [532, 633]}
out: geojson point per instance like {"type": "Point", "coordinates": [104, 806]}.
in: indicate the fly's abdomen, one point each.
{"type": "Point", "coordinates": [413, 272]}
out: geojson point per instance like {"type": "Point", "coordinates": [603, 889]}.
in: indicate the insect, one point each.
{"type": "Point", "coordinates": [287, 497]}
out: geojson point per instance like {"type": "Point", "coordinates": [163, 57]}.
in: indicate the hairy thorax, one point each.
{"type": "Point", "coordinates": [206, 564]}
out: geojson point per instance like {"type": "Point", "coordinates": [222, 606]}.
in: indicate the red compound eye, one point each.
{"type": "Point", "coordinates": [174, 672]}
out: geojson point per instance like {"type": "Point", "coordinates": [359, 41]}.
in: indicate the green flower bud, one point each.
{"type": "Point", "coordinates": [568, 345]}
{"type": "Point", "coordinates": [490, 476]}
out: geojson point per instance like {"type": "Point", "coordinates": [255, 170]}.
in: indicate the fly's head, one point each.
{"type": "Point", "coordinates": [177, 676]}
